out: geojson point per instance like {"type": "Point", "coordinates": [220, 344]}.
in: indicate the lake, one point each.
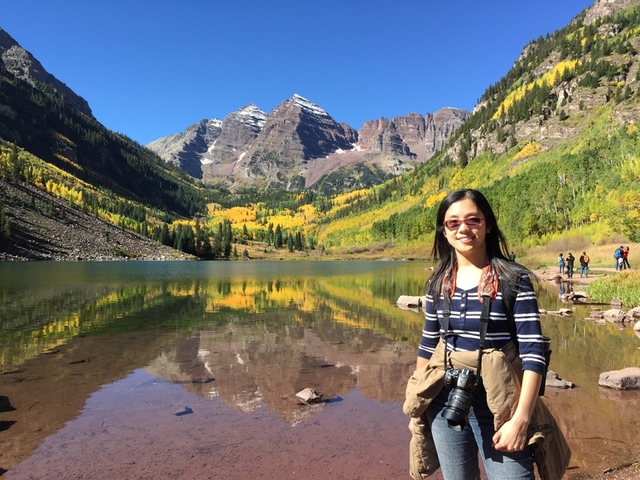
{"type": "Point", "coordinates": [190, 369]}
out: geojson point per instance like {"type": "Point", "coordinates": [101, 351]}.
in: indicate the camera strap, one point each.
{"type": "Point", "coordinates": [484, 324]}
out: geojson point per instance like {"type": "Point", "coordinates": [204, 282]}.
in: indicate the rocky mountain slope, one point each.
{"type": "Point", "coordinates": [553, 144]}
{"type": "Point", "coordinates": [510, 115]}
{"type": "Point", "coordinates": [42, 116]}
{"type": "Point", "coordinates": [299, 145]}
{"type": "Point", "coordinates": [46, 228]}
{"type": "Point", "coordinates": [24, 66]}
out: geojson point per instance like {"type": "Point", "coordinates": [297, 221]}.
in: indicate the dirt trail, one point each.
{"type": "Point", "coordinates": [548, 273]}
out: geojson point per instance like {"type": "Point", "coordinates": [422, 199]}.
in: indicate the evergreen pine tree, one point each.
{"type": "Point", "coordinates": [277, 242]}
{"type": "Point", "coordinates": [165, 236]}
{"type": "Point", "coordinates": [290, 243]}
{"type": "Point", "coordinates": [228, 239]}
{"type": "Point", "coordinates": [17, 165]}
{"type": "Point", "coordinates": [216, 246]}
{"type": "Point", "coordinates": [5, 225]}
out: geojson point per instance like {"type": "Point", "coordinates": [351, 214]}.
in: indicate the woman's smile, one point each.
{"type": "Point", "coordinates": [465, 228]}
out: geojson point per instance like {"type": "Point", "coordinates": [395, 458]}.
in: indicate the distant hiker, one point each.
{"type": "Point", "coordinates": [512, 256]}
{"type": "Point", "coordinates": [569, 265]}
{"type": "Point", "coordinates": [560, 264]}
{"type": "Point", "coordinates": [618, 256]}
{"type": "Point", "coordinates": [625, 260]}
{"type": "Point", "coordinates": [584, 264]}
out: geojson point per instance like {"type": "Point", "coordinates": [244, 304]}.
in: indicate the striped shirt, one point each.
{"type": "Point", "coordinates": [464, 325]}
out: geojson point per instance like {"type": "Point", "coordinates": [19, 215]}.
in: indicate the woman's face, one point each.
{"type": "Point", "coordinates": [466, 238]}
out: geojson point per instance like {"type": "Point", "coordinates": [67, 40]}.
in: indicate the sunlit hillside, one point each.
{"type": "Point", "coordinates": [553, 144]}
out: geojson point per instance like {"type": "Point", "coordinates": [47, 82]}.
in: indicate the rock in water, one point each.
{"type": "Point", "coordinates": [309, 395]}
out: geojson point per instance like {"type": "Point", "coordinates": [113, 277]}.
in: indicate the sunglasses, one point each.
{"type": "Point", "coordinates": [471, 222]}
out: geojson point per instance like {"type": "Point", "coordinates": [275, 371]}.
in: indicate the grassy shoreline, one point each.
{"type": "Point", "coordinates": [604, 284]}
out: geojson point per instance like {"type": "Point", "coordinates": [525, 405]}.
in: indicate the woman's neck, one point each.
{"type": "Point", "coordinates": [470, 270]}
{"type": "Point", "coordinates": [472, 259]}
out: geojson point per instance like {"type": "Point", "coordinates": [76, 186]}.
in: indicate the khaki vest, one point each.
{"type": "Point", "coordinates": [501, 377]}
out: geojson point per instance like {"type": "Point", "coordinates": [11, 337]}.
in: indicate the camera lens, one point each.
{"type": "Point", "coordinates": [459, 402]}
{"type": "Point", "coordinates": [457, 408]}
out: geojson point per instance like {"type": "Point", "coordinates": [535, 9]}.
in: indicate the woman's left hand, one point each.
{"type": "Point", "coordinates": [512, 436]}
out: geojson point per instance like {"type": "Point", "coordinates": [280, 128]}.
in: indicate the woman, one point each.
{"type": "Point", "coordinates": [625, 258]}
{"type": "Point", "coordinates": [470, 249]}
{"type": "Point", "coordinates": [569, 267]}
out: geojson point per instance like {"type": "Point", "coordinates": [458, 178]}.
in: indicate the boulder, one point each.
{"type": "Point", "coordinates": [634, 313]}
{"type": "Point", "coordinates": [406, 301]}
{"type": "Point", "coordinates": [553, 380]}
{"type": "Point", "coordinates": [575, 297]}
{"type": "Point", "coordinates": [625, 379]}
{"type": "Point", "coordinates": [309, 395]}
{"type": "Point", "coordinates": [614, 315]}
{"type": "Point", "coordinates": [596, 315]}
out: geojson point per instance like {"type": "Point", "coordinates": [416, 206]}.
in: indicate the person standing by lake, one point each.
{"type": "Point", "coordinates": [560, 264]}
{"type": "Point", "coordinates": [625, 258]}
{"type": "Point", "coordinates": [569, 266]}
{"type": "Point", "coordinates": [474, 267]}
{"type": "Point", "coordinates": [617, 255]}
{"type": "Point", "coordinates": [584, 264]}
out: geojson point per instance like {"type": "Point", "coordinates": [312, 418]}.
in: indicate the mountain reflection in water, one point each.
{"type": "Point", "coordinates": [251, 334]}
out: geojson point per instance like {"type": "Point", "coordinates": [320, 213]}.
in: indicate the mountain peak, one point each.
{"type": "Point", "coordinates": [307, 106]}
{"type": "Point", "coordinates": [298, 142]}
{"type": "Point", "coordinates": [24, 66]}
{"type": "Point", "coordinates": [251, 115]}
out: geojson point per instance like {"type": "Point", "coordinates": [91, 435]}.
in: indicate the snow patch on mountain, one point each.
{"type": "Point", "coordinates": [252, 115]}
{"type": "Point", "coordinates": [308, 106]}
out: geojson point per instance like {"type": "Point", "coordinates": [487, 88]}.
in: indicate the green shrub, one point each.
{"type": "Point", "coordinates": [622, 286]}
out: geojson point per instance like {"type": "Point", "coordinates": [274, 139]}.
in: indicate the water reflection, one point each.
{"type": "Point", "coordinates": [38, 319]}
{"type": "Point", "coordinates": [251, 334]}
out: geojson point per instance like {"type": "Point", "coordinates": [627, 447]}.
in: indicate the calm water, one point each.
{"type": "Point", "coordinates": [243, 337]}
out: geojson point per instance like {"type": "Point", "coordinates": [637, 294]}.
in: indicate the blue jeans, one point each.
{"type": "Point", "coordinates": [584, 269]}
{"type": "Point", "coordinates": [458, 451]}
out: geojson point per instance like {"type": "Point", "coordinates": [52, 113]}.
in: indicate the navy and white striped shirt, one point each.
{"type": "Point", "coordinates": [464, 325]}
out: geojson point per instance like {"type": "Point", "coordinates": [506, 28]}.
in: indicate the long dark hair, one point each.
{"type": "Point", "coordinates": [497, 247]}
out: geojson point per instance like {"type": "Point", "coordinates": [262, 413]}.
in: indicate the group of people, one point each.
{"type": "Point", "coordinates": [566, 264]}
{"type": "Point", "coordinates": [621, 256]}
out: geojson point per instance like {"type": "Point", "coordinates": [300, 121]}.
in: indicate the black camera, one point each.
{"type": "Point", "coordinates": [462, 383]}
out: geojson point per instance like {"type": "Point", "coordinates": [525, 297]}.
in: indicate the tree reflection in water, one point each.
{"type": "Point", "coordinates": [251, 334]}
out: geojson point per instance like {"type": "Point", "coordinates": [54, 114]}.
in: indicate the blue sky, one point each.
{"type": "Point", "coordinates": [151, 68]}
